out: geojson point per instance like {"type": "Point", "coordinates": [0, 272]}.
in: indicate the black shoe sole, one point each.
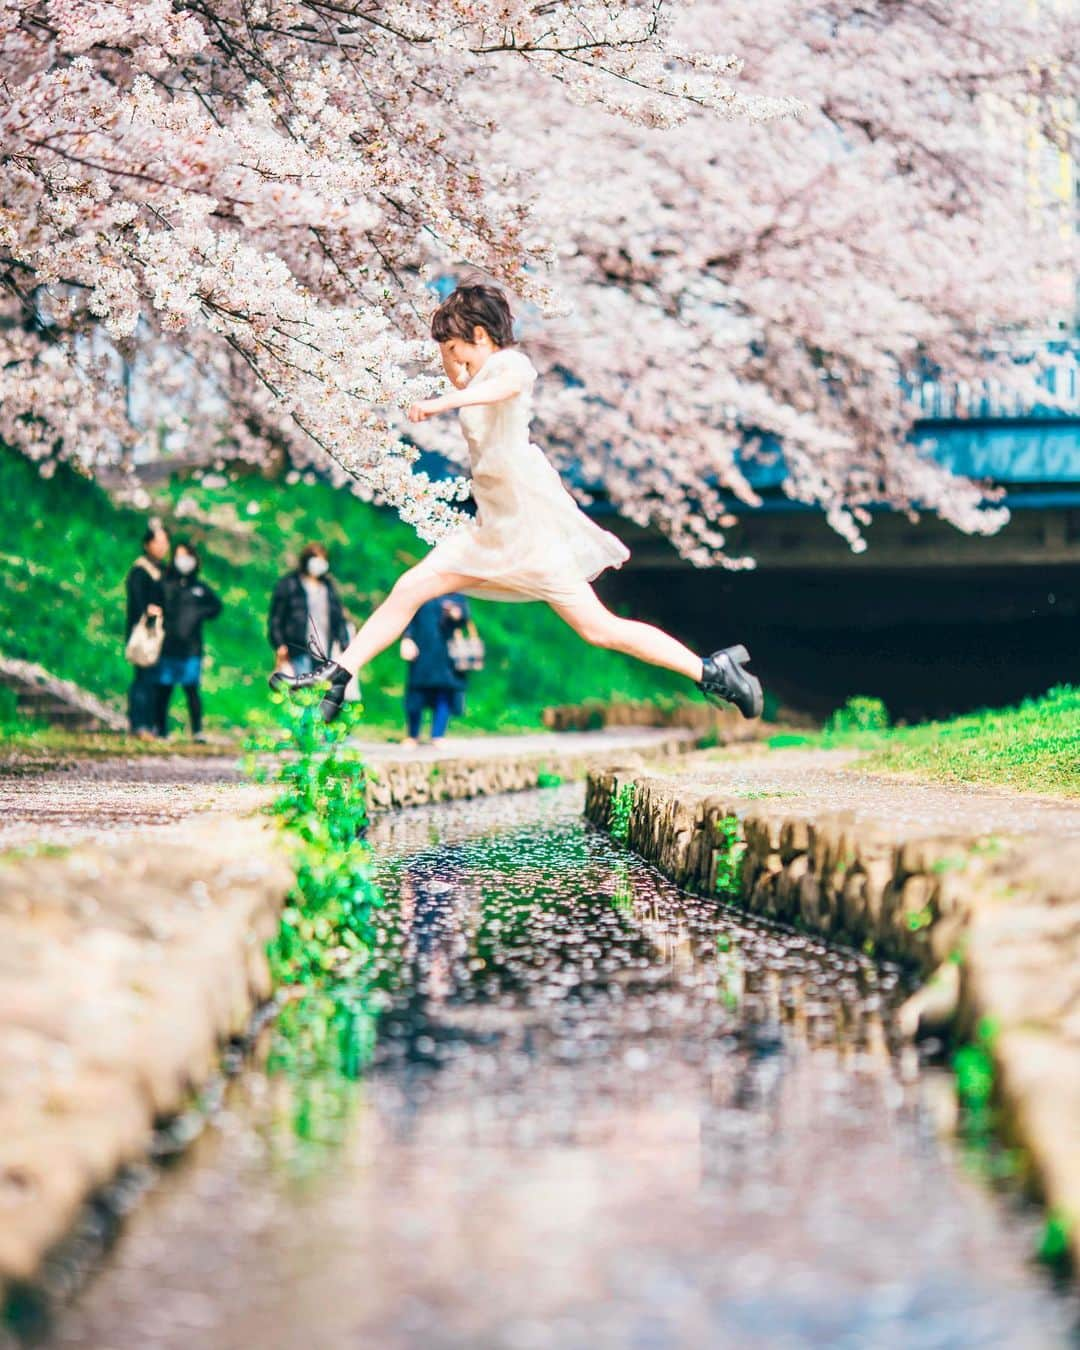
{"type": "Point", "coordinates": [330, 709]}
{"type": "Point", "coordinates": [757, 697]}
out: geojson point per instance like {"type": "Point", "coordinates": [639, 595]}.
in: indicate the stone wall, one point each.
{"type": "Point", "coordinates": [840, 877]}
{"type": "Point", "coordinates": [418, 780]}
{"type": "Point", "coordinates": [992, 926]}
{"type": "Point", "coordinates": [725, 724]}
{"type": "Point", "coordinates": [40, 694]}
{"type": "Point", "coordinates": [125, 970]}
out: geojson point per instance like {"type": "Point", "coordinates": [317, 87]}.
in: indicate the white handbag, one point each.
{"type": "Point", "coordinates": [466, 649]}
{"type": "Point", "coordinates": [147, 637]}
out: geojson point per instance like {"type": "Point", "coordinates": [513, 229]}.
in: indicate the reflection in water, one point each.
{"type": "Point", "coordinates": [596, 1113]}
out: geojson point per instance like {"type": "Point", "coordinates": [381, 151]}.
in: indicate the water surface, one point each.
{"type": "Point", "coordinates": [600, 1114]}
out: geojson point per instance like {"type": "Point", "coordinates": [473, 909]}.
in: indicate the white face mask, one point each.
{"type": "Point", "coordinates": [317, 567]}
{"type": "Point", "coordinates": [184, 564]}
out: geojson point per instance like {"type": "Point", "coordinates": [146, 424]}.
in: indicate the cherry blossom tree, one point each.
{"type": "Point", "coordinates": [237, 200]}
{"type": "Point", "coordinates": [794, 283]}
{"type": "Point", "coordinates": [219, 218]}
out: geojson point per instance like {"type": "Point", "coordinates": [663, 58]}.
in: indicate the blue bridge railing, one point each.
{"type": "Point", "coordinates": [1053, 366]}
{"type": "Point", "coordinates": [987, 430]}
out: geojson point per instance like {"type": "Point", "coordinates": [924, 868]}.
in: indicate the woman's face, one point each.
{"type": "Point", "coordinates": [184, 561]}
{"type": "Point", "coordinates": [470, 355]}
{"type": "Point", "coordinates": [158, 547]}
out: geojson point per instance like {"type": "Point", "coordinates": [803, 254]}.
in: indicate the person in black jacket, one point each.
{"type": "Point", "coordinates": [433, 681]}
{"type": "Point", "coordinates": [306, 612]}
{"type": "Point", "coordinates": [189, 602]}
{"type": "Point", "coordinates": [146, 597]}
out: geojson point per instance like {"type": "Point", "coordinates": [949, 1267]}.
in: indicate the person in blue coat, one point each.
{"type": "Point", "coordinates": [433, 682]}
{"type": "Point", "coordinates": [189, 603]}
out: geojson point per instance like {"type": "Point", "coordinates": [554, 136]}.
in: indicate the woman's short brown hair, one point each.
{"type": "Point", "coordinates": [472, 307]}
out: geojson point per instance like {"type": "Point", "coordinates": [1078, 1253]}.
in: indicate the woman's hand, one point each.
{"type": "Point", "coordinates": [430, 407]}
{"type": "Point", "coordinates": [409, 650]}
{"type": "Point", "coordinates": [456, 373]}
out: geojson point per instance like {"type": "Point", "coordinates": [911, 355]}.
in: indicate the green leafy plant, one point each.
{"type": "Point", "coordinates": [1054, 1245]}
{"type": "Point", "coordinates": [622, 805]}
{"type": "Point", "coordinates": [859, 713]}
{"type": "Point", "coordinates": [327, 927]}
{"type": "Point", "coordinates": [546, 779]}
{"type": "Point", "coordinates": [729, 852]}
{"type": "Point", "coordinates": [321, 957]}
{"type": "Point", "coordinates": [976, 1079]}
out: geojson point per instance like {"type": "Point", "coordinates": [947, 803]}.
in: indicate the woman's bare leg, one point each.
{"type": "Point", "coordinates": [590, 617]}
{"type": "Point", "coordinates": [387, 623]}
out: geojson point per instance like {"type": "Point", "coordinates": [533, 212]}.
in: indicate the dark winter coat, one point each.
{"type": "Point", "coordinates": [431, 630]}
{"type": "Point", "coordinates": [189, 602]}
{"type": "Point", "coordinates": [143, 590]}
{"type": "Point", "coordinates": [288, 625]}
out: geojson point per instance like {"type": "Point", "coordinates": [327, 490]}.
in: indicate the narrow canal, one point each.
{"type": "Point", "coordinates": [599, 1113]}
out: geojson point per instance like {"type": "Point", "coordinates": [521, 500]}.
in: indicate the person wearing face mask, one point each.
{"type": "Point", "coordinates": [189, 603]}
{"type": "Point", "coordinates": [145, 597]}
{"type": "Point", "coordinates": [306, 614]}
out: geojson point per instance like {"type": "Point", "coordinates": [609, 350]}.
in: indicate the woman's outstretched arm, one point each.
{"type": "Point", "coordinates": [498, 390]}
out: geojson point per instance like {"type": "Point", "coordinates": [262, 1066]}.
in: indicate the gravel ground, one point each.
{"type": "Point", "coordinates": [97, 801]}
{"type": "Point", "coordinates": [92, 801]}
{"type": "Point", "coordinates": [805, 782]}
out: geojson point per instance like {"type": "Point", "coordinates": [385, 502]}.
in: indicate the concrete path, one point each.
{"type": "Point", "coordinates": [100, 801]}
{"type": "Point", "coordinates": [125, 968]}
{"type": "Point", "coordinates": [94, 801]}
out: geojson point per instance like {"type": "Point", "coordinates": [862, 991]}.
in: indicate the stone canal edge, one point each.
{"type": "Point", "coordinates": [990, 925]}
{"type": "Point", "coordinates": [126, 969]}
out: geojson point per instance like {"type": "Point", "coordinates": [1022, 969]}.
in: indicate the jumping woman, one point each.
{"type": "Point", "coordinates": [529, 540]}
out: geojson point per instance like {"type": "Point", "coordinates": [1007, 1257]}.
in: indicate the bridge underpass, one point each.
{"type": "Point", "coordinates": [931, 620]}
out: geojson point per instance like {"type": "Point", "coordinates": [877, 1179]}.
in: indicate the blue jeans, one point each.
{"type": "Point", "coordinates": [185, 672]}
{"type": "Point", "coordinates": [440, 701]}
{"type": "Point", "coordinates": [303, 663]}
{"type": "Point", "coordinates": [143, 700]}
{"type": "Point", "coordinates": [182, 670]}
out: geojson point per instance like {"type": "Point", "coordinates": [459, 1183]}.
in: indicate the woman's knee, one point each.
{"type": "Point", "coordinates": [411, 589]}
{"type": "Point", "coordinates": [599, 630]}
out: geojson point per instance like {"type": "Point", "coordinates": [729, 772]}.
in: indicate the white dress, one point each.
{"type": "Point", "coordinates": [530, 540]}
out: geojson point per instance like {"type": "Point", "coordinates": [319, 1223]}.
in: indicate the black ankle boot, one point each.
{"type": "Point", "coordinates": [724, 679]}
{"type": "Point", "coordinates": [327, 675]}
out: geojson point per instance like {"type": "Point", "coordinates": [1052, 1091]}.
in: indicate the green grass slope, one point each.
{"type": "Point", "coordinates": [1034, 747]}
{"type": "Point", "coordinates": [66, 546]}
